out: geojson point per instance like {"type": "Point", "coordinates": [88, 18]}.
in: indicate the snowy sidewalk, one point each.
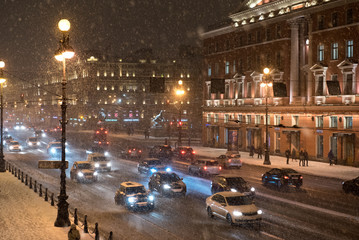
{"type": "Point", "coordinates": [25, 215]}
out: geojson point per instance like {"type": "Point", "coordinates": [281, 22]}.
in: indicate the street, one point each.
{"type": "Point", "coordinates": [318, 210]}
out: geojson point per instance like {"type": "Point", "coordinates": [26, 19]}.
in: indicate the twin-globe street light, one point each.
{"type": "Point", "coordinates": [2, 81]}
{"type": "Point", "coordinates": [64, 52]}
{"type": "Point", "coordinates": [180, 93]}
{"type": "Point", "coordinates": [266, 84]}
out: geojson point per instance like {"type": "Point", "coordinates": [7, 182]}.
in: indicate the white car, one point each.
{"type": "Point", "coordinates": [14, 146]}
{"type": "Point", "coordinates": [33, 142]}
{"type": "Point", "coordinates": [234, 207]}
{"type": "Point", "coordinates": [99, 161]}
{"type": "Point", "coordinates": [230, 160]}
{"type": "Point", "coordinates": [204, 167]}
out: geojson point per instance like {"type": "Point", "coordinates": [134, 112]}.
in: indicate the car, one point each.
{"type": "Point", "coordinates": [183, 153]}
{"type": "Point", "coordinates": [167, 183]}
{"type": "Point", "coordinates": [54, 148]}
{"type": "Point", "coordinates": [161, 151]}
{"type": "Point", "coordinates": [8, 139]}
{"type": "Point", "coordinates": [40, 133]}
{"type": "Point", "coordinates": [230, 161]}
{"type": "Point", "coordinates": [83, 171]}
{"type": "Point", "coordinates": [131, 152]}
{"type": "Point", "coordinates": [14, 146]}
{"type": "Point", "coordinates": [204, 167]}
{"type": "Point", "coordinates": [99, 161]}
{"type": "Point", "coordinates": [282, 178]}
{"type": "Point", "coordinates": [351, 186]}
{"type": "Point", "coordinates": [33, 142]}
{"type": "Point", "coordinates": [234, 207]}
{"type": "Point", "coordinates": [231, 182]}
{"type": "Point", "coordinates": [152, 165]}
{"type": "Point", "coordinates": [134, 196]}
{"type": "Point", "coordinates": [97, 149]}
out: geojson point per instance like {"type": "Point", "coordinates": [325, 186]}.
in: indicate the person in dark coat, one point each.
{"type": "Point", "coordinates": [301, 158]}
{"type": "Point", "coordinates": [294, 155]}
{"type": "Point", "coordinates": [306, 158]}
{"type": "Point", "coordinates": [251, 151]}
{"type": "Point", "coordinates": [260, 152]}
{"type": "Point", "coordinates": [73, 233]}
{"type": "Point", "coordinates": [331, 157]}
{"type": "Point", "coordinates": [287, 155]}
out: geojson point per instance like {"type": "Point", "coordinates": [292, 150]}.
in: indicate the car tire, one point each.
{"type": "Point", "coordinates": [279, 185]}
{"type": "Point", "coordinates": [209, 212]}
{"type": "Point", "coordinates": [346, 189]}
{"type": "Point", "coordinates": [229, 219]}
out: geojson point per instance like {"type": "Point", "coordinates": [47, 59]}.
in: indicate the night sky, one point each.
{"type": "Point", "coordinates": [29, 34]}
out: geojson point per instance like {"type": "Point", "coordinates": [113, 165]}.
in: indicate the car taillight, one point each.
{"type": "Point", "coordinates": [139, 151]}
{"type": "Point", "coordinates": [193, 152]}
{"type": "Point", "coordinates": [286, 177]}
{"type": "Point", "coordinates": [183, 152]}
{"type": "Point", "coordinates": [220, 168]}
{"type": "Point", "coordinates": [99, 142]}
{"type": "Point", "coordinates": [108, 142]}
{"type": "Point", "coordinates": [205, 167]}
{"type": "Point", "coordinates": [129, 151]}
{"type": "Point", "coordinates": [301, 177]}
{"type": "Point", "coordinates": [230, 160]}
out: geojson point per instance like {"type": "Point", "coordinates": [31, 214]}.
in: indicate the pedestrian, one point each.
{"type": "Point", "coordinates": [260, 151]}
{"type": "Point", "coordinates": [301, 157]}
{"type": "Point", "coordinates": [306, 158]}
{"type": "Point", "coordinates": [287, 155]}
{"type": "Point", "coordinates": [331, 157]}
{"type": "Point", "coordinates": [251, 151]}
{"type": "Point", "coordinates": [73, 234]}
{"type": "Point", "coordinates": [294, 155]}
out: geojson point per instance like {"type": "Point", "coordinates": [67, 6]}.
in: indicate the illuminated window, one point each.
{"type": "Point", "coordinates": [105, 88]}
{"type": "Point", "coordinates": [321, 52]}
{"type": "Point", "coordinates": [112, 74]}
{"type": "Point", "coordinates": [113, 88]}
{"type": "Point", "coordinates": [98, 87]}
{"type": "Point", "coordinates": [226, 118]}
{"type": "Point", "coordinates": [334, 51]}
{"type": "Point", "coordinates": [208, 117]}
{"type": "Point", "coordinates": [349, 49]}
{"type": "Point", "coordinates": [105, 74]}
{"type": "Point", "coordinates": [216, 117]}
{"type": "Point", "coordinates": [98, 73]}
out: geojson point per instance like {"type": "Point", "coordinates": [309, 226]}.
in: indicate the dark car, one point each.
{"type": "Point", "coordinates": [161, 151]}
{"type": "Point", "coordinates": [351, 186]}
{"type": "Point", "coordinates": [231, 182]}
{"type": "Point", "coordinates": [131, 152]}
{"type": "Point", "coordinates": [183, 153]}
{"type": "Point", "coordinates": [282, 178]}
{"type": "Point", "coordinates": [152, 165]}
{"type": "Point", "coordinates": [167, 183]}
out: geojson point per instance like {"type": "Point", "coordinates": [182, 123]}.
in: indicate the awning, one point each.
{"type": "Point", "coordinates": [343, 134]}
{"type": "Point", "coordinates": [291, 131]}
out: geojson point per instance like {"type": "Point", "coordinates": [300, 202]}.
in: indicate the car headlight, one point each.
{"type": "Point", "coordinates": [237, 214]}
{"type": "Point", "coordinates": [131, 199]}
{"type": "Point", "coordinates": [259, 211]}
{"type": "Point", "coordinates": [80, 174]}
{"type": "Point", "coordinates": [38, 143]}
{"type": "Point", "coordinates": [168, 169]}
{"type": "Point", "coordinates": [53, 150]}
{"type": "Point", "coordinates": [43, 135]}
{"type": "Point", "coordinates": [11, 147]}
{"type": "Point", "coordinates": [29, 144]}
{"type": "Point", "coordinates": [17, 128]}
{"type": "Point", "coordinates": [166, 186]}
{"type": "Point", "coordinates": [22, 127]}
{"type": "Point", "coordinates": [252, 189]}
{"type": "Point", "coordinates": [233, 190]}
{"type": "Point", "coordinates": [97, 165]}
{"type": "Point", "coordinates": [109, 164]}
{"type": "Point", "coordinates": [95, 173]}
{"type": "Point", "coordinates": [153, 170]}
{"type": "Point", "coordinates": [151, 198]}
{"type": "Point", "coordinates": [107, 154]}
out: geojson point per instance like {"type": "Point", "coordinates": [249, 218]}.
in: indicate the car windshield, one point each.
{"type": "Point", "coordinates": [170, 177]}
{"type": "Point", "coordinates": [212, 163]}
{"type": "Point", "coordinates": [239, 200]}
{"type": "Point", "coordinates": [85, 166]}
{"type": "Point", "coordinates": [99, 159]}
{"type": "Point", "coordinates": [33, 139]}
{"type": "Point", "coordinates": [289, 170]}
{"type": "Point", "coordinates": [153, 162]}
{"type": "Point", "coordinates": [235, 156]}
{"type": "Point", "coordinates": [56, 145]}
{"type": "Point", "coordinates": [235, 181]}
{"type": "Point", "coordinates": [134, 190]}
{"type": "Point", "coordinates": [14, 143]}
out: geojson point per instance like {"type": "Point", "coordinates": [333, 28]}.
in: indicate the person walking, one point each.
{"type": "Point", "coordinates": [306, 158]}
{"type": "Point", "coordinates": [260, 151]}
{"type": "Point", "coordinates": [301, 157]}
{"type": "Point", "coordinates": [287, 155]}
{"type": "Point", "coordinates": [251, 151]}
{"type": "Point", "coordinates": [294, 155]}
{"type": "Point", "coordinates": [331, 157]}
{"type": "Point", "coordinates": [73, 233]}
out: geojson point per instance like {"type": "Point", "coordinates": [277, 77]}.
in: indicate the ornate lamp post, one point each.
{"type": "Point", "coordinates": [64, 52]}
{"type": "Point", "coordinates": [180, 93]}
{"type": "Point", "coordinates": [266, 84]}
{"type": "Point", "coordinates": [2, 81]}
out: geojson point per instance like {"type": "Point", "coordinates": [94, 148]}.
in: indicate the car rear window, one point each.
{"type": "Point", "coordinates": [239, 200]}
{"type": "Point", "coordinates": [211, 163]}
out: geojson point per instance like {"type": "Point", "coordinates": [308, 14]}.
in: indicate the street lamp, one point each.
{"type": "Point", "coordinates": [266, 84]}
{"type": "Point", "coordinates": [180, 93]}
{"type": "Point", "coordinates": [2, 81]}
{"type": "Point", "coordinates": [64, 52]}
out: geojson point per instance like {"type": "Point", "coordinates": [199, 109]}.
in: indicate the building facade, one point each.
{"type": "Point", "coordinates": [311, 49]}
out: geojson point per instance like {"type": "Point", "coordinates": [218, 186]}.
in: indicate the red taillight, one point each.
{"type": "Point", "coordinates": [105, 132]}
{"type": "Point", "coordinates": [108, 142]}
{"type": "Point", "coordinates": [301, 177]}
{"type": "Point", "coordinates": [220, 168]}
{"type": "Point", "coordinates": [183, 152]}
{"type": "Point", "coordinates": [193, 152]}
{"type": "Point", "coordinates": [129, 151]}
{"type": "Point", "coordinates": [205, 167]}
{"type": "Point", "coordinates": [99, 142]}
{"type": "Point", "coordinates": [97, 132]}
{"type": "Point", "coordinates": [139, 151]}
{"type": "Point", "coordinates": [230, 160]}
{"type": "Point", "coordinates": [286, 177]}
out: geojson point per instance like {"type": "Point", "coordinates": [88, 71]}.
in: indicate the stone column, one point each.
{"type": "Point", "coordinates": [309, 49]}
{"type": "Point", "coordinates": [294, 61]}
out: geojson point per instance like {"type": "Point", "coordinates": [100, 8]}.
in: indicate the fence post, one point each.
{"type": "Point", "coordinates": [26, 180]}
{"type": "Point", "coordinates": [12, 170]}
{"type": "Point", "coordinates": [86, 230]}
{"type": "Point", "coordinates": [95, 231]}
{"type": "Point", "coordinates": [52, 200]}
{"type": "Point", "coordinates": [75, 217]}
{"type": "Point", "coordinates": [22, 177]}
{"type": "Point", "coordinates": [46, 198]}
{"type": "Point", "coordinates": [40, 191]}
{"type": "Point", "coordinates": [110, 237]}
{"type": "Point", "coordinates": [15, 172]}
{"type": "Point", "coordinates": [30, 186]}
{"type": "Point", "coordinates": [35, 187]}
{"type": "Point", "coordinates": [18, 174]}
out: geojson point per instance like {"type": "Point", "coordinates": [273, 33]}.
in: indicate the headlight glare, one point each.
{"type": "Point", "coordinates": [233, 190]}
{"type": "Point", "coordinates": [109, 164]}
{"type": "Point", "coordinates": [168, 169]}
{"type": "Point", "coordinates": [259, 211]}
{"type": "Point", "coordinates": [95, 173]}
{"type": "Point", "coordinates": [151, 198]}
{"type": "Point", "coordinates": [53, 150]}
{"type": "Point", "coordinates": [252, 189]}
{"type": "Point", "coordinates": [97, 165]}
{"type": "Point", "coordinates": [131, 199]}
{"type": "Point", "coordinates": [166, 186]}
{"type": "Point", "coordinates": [153, 170]}
{"type": "Point", "coordinates": [237, 213]}
{"type": "Point", "coordinates": [80, 174]}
